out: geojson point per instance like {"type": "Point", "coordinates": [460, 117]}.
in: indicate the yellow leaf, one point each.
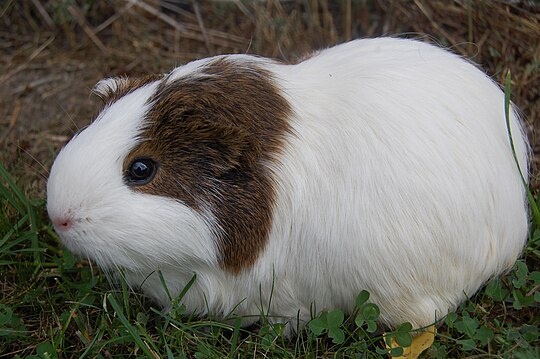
{"type": "Point", "coordinates": [420, 343]}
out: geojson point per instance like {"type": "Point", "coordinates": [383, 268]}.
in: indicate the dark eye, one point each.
{"type": "Point", "coordinates": [141, 171]}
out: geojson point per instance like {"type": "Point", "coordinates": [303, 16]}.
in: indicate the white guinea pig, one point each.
{"type": "Point", "coordinates": [380, 164]}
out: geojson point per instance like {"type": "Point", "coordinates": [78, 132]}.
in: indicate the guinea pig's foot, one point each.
{"type": "Point", "coordinates": [420, 342]}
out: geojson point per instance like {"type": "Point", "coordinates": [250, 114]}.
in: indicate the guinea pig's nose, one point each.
{"type": "Point", "coordinates": [61, 223]}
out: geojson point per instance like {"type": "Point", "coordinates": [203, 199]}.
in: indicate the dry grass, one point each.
{"type": "Point", "coordinates": [52, 52]}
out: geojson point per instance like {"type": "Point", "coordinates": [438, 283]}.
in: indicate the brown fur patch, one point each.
{"type": "Point", "coordinates": [123, 86]}
{"type": "Point", "coordinates": [211, 135]}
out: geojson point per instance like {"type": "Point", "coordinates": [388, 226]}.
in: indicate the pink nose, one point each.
{"type": "Point", "coordinates": [61, 224]}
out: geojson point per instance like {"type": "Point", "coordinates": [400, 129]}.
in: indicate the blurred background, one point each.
{"type": "Point", "coordinates": [53, 52]}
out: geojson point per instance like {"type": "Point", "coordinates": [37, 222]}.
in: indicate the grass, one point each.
{"type": "Point", "coordinates": [53, 306]}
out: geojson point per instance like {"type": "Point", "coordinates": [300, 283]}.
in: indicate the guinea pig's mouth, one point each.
{"type": "Point", "coordinates": [73, 239]}
{"type": "Point", "coordinates": [68, 229]}
{"type": "Point", "coordinates": [83, 247]}
{"type": "Point", "coordinates": [89, 243]}
{"type": "Point", "coordinates": [66, 222]}
{"type": "Point", "coordinates": [76, 239]}
{"type": "Point", "coordinates": [61, 224]}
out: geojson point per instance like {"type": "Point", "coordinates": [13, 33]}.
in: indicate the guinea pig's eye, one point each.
{"type": "Point", "coordinates": [141, 171]}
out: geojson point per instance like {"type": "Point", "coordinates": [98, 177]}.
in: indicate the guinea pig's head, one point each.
{"type": "Point", "coordinates": [174, 170]}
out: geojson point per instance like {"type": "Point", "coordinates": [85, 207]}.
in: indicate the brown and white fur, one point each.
{"type": "Point", "coordinates": [380, 164]}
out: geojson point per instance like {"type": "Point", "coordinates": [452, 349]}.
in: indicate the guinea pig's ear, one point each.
{"type": "Point", "coordinates": [108, 87]}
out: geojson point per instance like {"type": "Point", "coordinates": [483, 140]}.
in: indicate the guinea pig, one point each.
{"type": "Point", "coordinates": [380, 164]}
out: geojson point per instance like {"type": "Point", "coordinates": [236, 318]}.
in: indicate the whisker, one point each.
{"type": "Point", "coordinates": [90, 265]}
{"type": "Point", "coordinates": [249, 45]}
{"type": "Point", "coordinates": [70, 118]}
{"type": "Point", "coordinates": [36, 161]}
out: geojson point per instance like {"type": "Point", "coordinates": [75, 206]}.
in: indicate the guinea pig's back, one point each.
{"type": "Point", "coordinates": [397, 174]}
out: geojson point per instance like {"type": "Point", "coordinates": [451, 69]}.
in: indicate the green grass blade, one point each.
{"type": "Point", "coordinates": [34, 240]}
{"type": "Point", "coordinates": [186, 288]}
{"type": "Point", "coordinates": [125, 292]}
{"type": "Point", "coordinates": [507, 90]}
{"type": "Point", "coordinates": [7, 263]}
{"type": "Point", "coordinates": [12, 193]}
{"type": "Point", "coordinates": [13, 230]}
{"type": "Point", "coordinates": [164, 284]}
{"type": "Point", "coordinates": [131, 330]}
{"type": "Point", "coordinates": [91, 344]}
{"type": "Point", "coordinates": [170, 354]}
{"type": "Point", "coordinates": [236, 335]}
{"type": "Point", "coordinates": [25, 237]}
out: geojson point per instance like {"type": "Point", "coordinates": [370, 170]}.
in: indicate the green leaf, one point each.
{"type": "Point", "coordinates": [484, 335]}
{"type": "Point", "coordinates": [496, 290]}
{"type": "Point", "coordinates": [370, 311]}
{"type": "Point", "coordinates": [467, 326]}
{"type": "Point", "coordinates": [404, 328]}
{"type": "Point", "coordinates": [371, 326]}
{"type": "Point", "coordinates": [337, 335]}
{"type": "Point", "coordinates": [317, 326]}
{"type": "Point", "coordinates": [535, 277]}
{"type": "Point", "coordinates": [467, 344]}
{"type": "Point", "coordinates": [335, 318]}
{"type": "Point", "coordinates": [5, 314]}
{"type": "Point", "coordinates": [396, 352]}
{"type": "Point", "coordinates": [403, 334]}
{"type": "Point", "coordinates": [513, 334]}
{"type": "Point", "coordinates": [68, 259]}
{"type": "Point", "coordinates": [359, 320]}
{"type": "Point", "coordinates": [520, 273]}
{"type": "Point", "coordinates": [142, 318]}
{"type": "Point", "coordinates": [471, 324]}
{"type": "Point", "coordinates": [268, 339]}
{"type": "Point", "coordinates": [530, 333]}
{"type": "Point", "coordinates": [45, 350]}
{"type": "Point", "coordinates": [382, 350]}
{"type": "Point", "coordinates": [450, 319]}
{"type": "Point", "coordinates": [404, 339]}
{"type": "Point", "coordinates": [521, 300]}
{"type": "Point", "coordinates": [362, 298]}
{"type": "Point", "coordinates": [439, 351]}
{"type": "Point", "coordinates": [526, 353]}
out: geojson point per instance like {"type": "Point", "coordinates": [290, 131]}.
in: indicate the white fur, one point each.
{"type": "Point", "coordinates": [398, 179]}
{"type": "Point", "coordinates": [108, 85]}
{"type": "Point", "coordinates": [112, 224]}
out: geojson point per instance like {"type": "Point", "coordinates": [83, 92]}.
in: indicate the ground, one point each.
{"type": "Point", "coordinates": [49, 63]}
{"type": "Point", "coordinates": [53, 52]}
